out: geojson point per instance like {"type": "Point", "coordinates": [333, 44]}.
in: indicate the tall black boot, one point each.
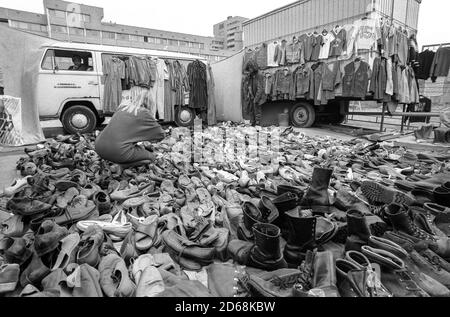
{"type": "Point", "coordinates": [284, 203]}
{"type": "Point", "coordinates": [316, 198]}
{"type": "Point", "coordinates": [302, 237]}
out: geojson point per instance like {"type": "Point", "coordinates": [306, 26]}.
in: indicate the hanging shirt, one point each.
{"type": "Point", "coordinates": [339, 44]}
{"type": "Point", "coordinates": [261, 56]}
{"type": "Point", "coordinates": [281, 54]}
{"type": "Point", "coordinates": [392, 41]}
{"type": "Point", "coordinates": [349, 48]}
{"type": "Point", "coordinates": [368, 34]}
{"type": "Point", "coordinates": [326, 44]}
{"type": "Point", "coordinates": [271, 49]}
{"type": "Point", "coordinates": [308, 46]}
{"type": "Point", "coordinates": [403, 47]}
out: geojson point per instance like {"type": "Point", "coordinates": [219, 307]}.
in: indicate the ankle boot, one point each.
{"type": "Point", "coordinates": [284, 203]}
{"type": "Point", "coordinates": [252, 216]}
{"type": "Point", "coordinates": [267, 254]}
{"type": "Point", "coordinates": [302, 237]}
{"type": "Point", "coordinates": [358, 231]}
{"type": "Point", "coordinates": [403, 223]}
{"type": "Point", "coordinates": [325, 274]}
{"type": "Point", "coordinates": [401, 220]}
{"type": "Point", "coordinates": [357, 225]}
{"type": "Point", "coordinates": [268, 209]}
{"type": "Point", "coordinates": [317, 194]}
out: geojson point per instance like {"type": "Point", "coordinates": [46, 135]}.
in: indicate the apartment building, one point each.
{"type": "Point", "coordinates": [228, 34]}
{"type": "Point", "coordinates": [80, 23]}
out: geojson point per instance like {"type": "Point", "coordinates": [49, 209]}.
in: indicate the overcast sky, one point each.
{"type": "Point", "coordinates": [199, 16]}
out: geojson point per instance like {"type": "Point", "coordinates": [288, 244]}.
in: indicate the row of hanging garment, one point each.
{"type": "Point", "coordinates": [340, 43]}
{"type": "Point", "coordinates": [384, 80]}
{"type": "Point", "coordinates": [434, 64]}
{"type": "Point", "coordinates": [160, 84]}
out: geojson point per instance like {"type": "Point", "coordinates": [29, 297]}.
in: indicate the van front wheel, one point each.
{"type": "Point", "coordinates": [79, 119]}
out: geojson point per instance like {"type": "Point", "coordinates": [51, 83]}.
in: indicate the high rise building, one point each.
{"type": "Point", "coordinates": [228, 34]}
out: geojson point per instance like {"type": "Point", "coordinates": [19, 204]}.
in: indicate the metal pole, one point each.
{"type": "Point", "coordinates": [382, 117]}
{"type": "Point", "coordinates": [403, 122]}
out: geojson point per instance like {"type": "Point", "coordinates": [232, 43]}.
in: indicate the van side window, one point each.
{"type": "Point", "coordinates": [68, 61]}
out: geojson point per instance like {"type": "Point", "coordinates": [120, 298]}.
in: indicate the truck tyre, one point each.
{"type": "Point", "coordinates": [303, 115]}
{"type": "Point", "coordinates": [184, 117]}
{"type": "Point", "coordinates": [79, 119]}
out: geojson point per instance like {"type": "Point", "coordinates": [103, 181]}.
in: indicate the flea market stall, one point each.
{"type": "Point", "coordinates": [313, 64]}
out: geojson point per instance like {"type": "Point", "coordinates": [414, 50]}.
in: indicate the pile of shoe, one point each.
{"type": "Point", "coordinates": [327, 219]}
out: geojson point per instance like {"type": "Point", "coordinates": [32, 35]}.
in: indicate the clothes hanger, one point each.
{"type": "Point", "coordinates": [324, 32]}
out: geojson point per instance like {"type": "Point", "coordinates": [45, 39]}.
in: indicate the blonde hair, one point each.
{"type": "Point", "coordinates": [139, 98]}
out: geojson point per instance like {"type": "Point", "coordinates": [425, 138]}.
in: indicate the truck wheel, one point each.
{"type": "Point", "coordinates": [303, 115]}
{"type": "Point", "coordinates": [184, 117]}
{"type": "Point", "coordinates": [79, 119]}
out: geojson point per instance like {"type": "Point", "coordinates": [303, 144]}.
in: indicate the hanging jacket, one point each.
{"type": "Point", "coordinates": [196, 73]}
{"type": "Point", "coordinates": [356, 80]}
{"type": "Point", "coordinates": [331, 78]}
{"type": "Point", "coordinates": [261, 56]}
{"type": "Point", "coordinates": [302, 79]}
{"type": "Point", "coordinates": [425, 61]}
{"type": "Point", "coordinates": [249, 56]}
{"type": "Point", "coordinates": [295, 54]}
{"type": "Point", "coordinates": [317, 41]}
{"type": "Point", "coordinates": [316, 93]}
{"type": "Point", "coordinates": [308, 42]}
{"type": "Point", "coordinates": [413, 88]}
{"type": "Point", "coordinates": [395, 87]}
{"type": "Point", "coordinates": [268, 83]}
{"type": "Point", "coordinates": [283, 83]}
{"type": "Point", "coordinates": [441, 63]}
{"type": "Point", "coordinates": [378, 82]}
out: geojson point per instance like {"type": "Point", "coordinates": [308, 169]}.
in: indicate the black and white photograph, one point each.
{"type": "Point", "coordinates": [225, 155]}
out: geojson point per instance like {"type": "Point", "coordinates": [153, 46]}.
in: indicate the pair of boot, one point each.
{"type": "Point", "coordinates": [305, 233]}
{"type": "Point", "coordinates": [264, 253]}
{"type": "Point", "coordinates": [265, 212]}
{"type": "Point", "coordinates": [316, 198]}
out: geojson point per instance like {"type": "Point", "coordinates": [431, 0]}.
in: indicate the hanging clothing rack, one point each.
{"type": "Point", "coordinates": [434, 47]}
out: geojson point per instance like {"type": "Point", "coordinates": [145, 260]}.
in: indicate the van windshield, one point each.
{"type": "Point", "coordinates": [68, 61]}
